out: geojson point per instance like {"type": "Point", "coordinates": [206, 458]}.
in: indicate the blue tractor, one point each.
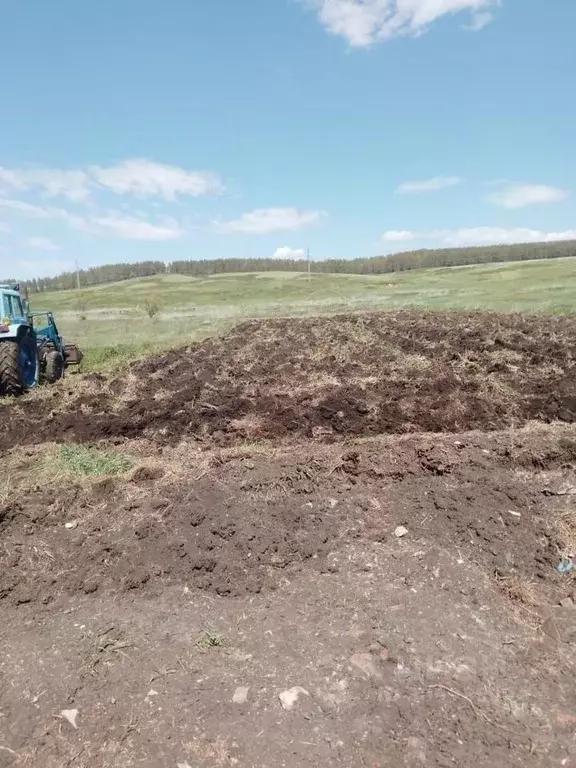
{"type": "Point", "coordinates": [31, 348]}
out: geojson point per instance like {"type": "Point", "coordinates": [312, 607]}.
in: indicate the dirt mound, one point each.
{"type": "Point", "coordinates": [366, 374]}
{"type": "Point", "coordinates": [246, 524]}
{"type": "Point", "coordinates": [192, 534]}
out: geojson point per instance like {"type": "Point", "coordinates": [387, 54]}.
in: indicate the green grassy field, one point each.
{"type": "Point", "coordinates": [110, 322]}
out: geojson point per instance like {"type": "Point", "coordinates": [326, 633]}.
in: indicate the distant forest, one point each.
{"type": "Point", "coordinates": [375, 265]}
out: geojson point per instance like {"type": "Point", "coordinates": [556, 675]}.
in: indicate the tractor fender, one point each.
{"type": "Point", "coordinates": [24, 330]}
{"type": "Point", "coordinates": [17, 331]}
{"type": "Point", "coordinates": [14, 332]}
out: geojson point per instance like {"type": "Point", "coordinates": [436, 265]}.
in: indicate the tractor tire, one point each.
{"type": "Point", "coordinates": [54, 367]}
{"type": "Point", "coordinates": [16, 361]}
{"type": "Point", "coordinates": [10, 383]}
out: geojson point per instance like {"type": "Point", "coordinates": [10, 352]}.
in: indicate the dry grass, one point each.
{"type": "Point", "coordinates": [520, 590]}
{"type": "Point", "coordinates": [564, 524]}
{"type": "Point", "coordinates": [6, 489]}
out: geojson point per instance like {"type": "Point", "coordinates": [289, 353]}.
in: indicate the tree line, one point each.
{"type": "Point", "coordinates": [374, 265]}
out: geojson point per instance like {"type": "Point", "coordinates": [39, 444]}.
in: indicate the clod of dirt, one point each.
{"type": "Point", "coordinates": [365, 664]}
{"type": "Point", "coordinates": [241, 695]}
{"type": "Point", "coordinates": [289, 698]}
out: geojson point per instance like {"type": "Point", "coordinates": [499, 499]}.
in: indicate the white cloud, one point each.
{"type": "Point", "coordinates": [132, 228]}
{"type": "Point", "coordinates": [365, 22]}
{"type": "Point", "coordinates": [394, 235]}
{"type": "Point", "coordinates": [33, 211]}
{"type": "Point", "coordinates": [53, 182]}
{"type": "Point", "coordinates": [482, 236]}
{"type": "Point", "coordinates": [41, 211]}
{"type": "Point", "coordinates": [516, 196]}
{"type": "Point", "coordinates": [121, 225]}
{"type": "Point", "coordinates": [263, 221]}
{"type": "Point", "coordinates": [140, 177]}
{"type": "Point", "coordinates": [144, 178]}
{"type": "Point", "coordinates": [427, 185]}
{"type": "Point", "coordinates": [295, 254]}
{"type": "Point", "coordinates": [43, 244]}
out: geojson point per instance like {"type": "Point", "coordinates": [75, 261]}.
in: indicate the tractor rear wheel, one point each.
{"type": "Point", "coordinates": [54, 366]}
{"type": "Point", "coordinates": [19, 366]}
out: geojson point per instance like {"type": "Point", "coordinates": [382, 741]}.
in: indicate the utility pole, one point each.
{"type": "Point", "coordinates": [77, 275]}
{"type": "Point", "coordinates": [309, 267]}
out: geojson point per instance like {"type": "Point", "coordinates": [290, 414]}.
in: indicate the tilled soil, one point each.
{"type": "Point", "coordinates": [174, 609]}
{"type": "Point", "coordinates": [248, 522]}
{"type": "Point", "coordinates": [368, 509]}
{"type": "Point", "coordinates": [326, 378]}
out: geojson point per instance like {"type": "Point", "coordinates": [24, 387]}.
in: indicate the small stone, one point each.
{"type": "Point", "coordinates": [364, 663]}
{"type": "Point", "coordinates": [289, 698]}
{"type": "Point", "coordinates": [152, 692]}
{"type": "Point", "coordinates": [71, 525]}
{"type": "Point", "coordinates": [183, 765]}
{"type": "Point", "coordinates": [241, 694]}
{"type": "Point", "coordinates": [567, 602]}
{"type": "Point", "coordinates": [400, 532]}
{"type": "Point", "coordinates": [70, 715]}
{"type": "Point", "coordinates": [384, 654]}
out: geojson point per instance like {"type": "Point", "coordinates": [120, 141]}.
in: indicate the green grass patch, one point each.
{"type": "Point", "coordinates": [86, 460]}
{"type": "Point", "coordinates": [110, 359]}
{"type": "Point", "coordinates": [211, 640]}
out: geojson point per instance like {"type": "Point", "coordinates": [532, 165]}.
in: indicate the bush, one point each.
{"type": "Point", "coordinates": [151, 308]}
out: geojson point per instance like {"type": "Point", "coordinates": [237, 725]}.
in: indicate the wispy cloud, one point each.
{"type": "Point", "coordinates": [109, 223]}
{"type": "Point", "coordinates": [54, 182]}
{"type": "Point", "coordinates": [427, 185]}
{"type": "Point", "coordinates": [133, 228]}
{"type": "Point", "coordinates": [480, 236]}
{"type": "Point", "coordinates": [263, 221]}
{"type": "Point", "coordinates": [515, 196]}
{"type": "Point", "coordinates": [43, 244]}
{"type": "Point", "coordinates": [285, 252]}
{"type": "Point", "coordinates": [139, 178]}
{"type": "Point", "coordinates": [399, 235]}
{"type": "Point", "coordinates": [364, 22]}
{"type": "Point", "coordinates": [143, 178]}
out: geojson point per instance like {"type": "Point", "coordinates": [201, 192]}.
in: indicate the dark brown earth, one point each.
{"type": "Point", "coordinates": [364, 374]}
{"type": "Point", "coordinates": [146, 601]}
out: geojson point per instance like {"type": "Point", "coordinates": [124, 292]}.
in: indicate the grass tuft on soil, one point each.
{"type": "Point", "coordinates": [86, 460]}
{"type": "Point", "coordinates": [210, 640]}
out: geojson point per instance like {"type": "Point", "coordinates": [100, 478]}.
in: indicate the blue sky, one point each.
{"type": "Point", "coordinates": [140, 129]}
